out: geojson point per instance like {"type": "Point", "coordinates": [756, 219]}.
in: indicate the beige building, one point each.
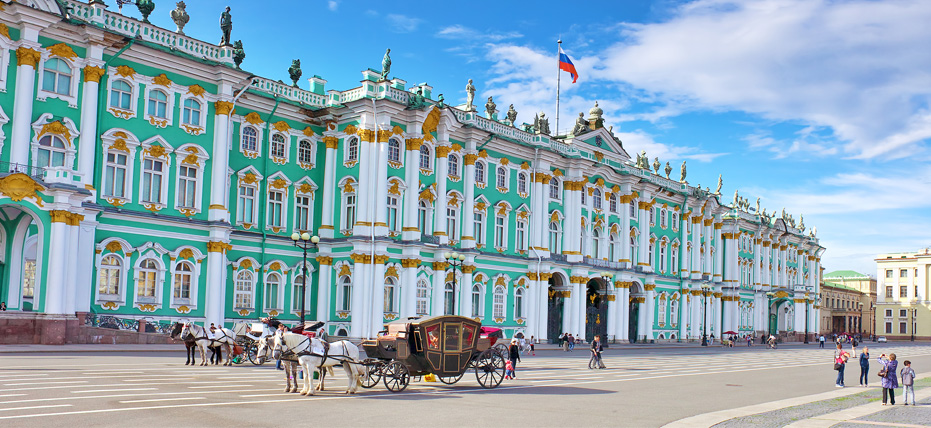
{"type": "Point", "coordinates": [903, 310]}
{"type": "Point", "coordinates": [854, 296]}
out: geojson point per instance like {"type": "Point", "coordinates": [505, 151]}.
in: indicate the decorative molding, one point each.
{"type": "Point", "coordinates": [27, 56]}
{"type": "Point", "coordinates": [224, 108]}
{"type": "Point", "coordinates": [93, 74]}
{"type": "Point", "coordinates": [20, 186]}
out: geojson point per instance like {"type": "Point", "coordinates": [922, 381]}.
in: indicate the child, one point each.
{"type": "Point", "coordinates": [908, 381]}
{"type": "Point", "coordinates": [508, 370]}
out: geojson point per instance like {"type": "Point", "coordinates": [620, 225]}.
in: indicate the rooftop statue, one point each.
{"type": "Point", "coordinates": [581, 125]}
{"type": "Point", "coordinates": [295, 71]}
{"type": "Point", "coordinates": [682, 177]}
{"type": "Point", "coordinates": [736, 197]}
{"type": "Point", "coordinates": [717, 191]}
{"type": "Point", "coordinates": [656, 165]}
{"type": "Point", "coordinates": [145, 8]}
{"type": "Point", "coordinates": [417, 101]}
{"type": "Point", "coordinates": [668, 170]}
{"type": "Point", "coordinates": [239, 53]}
{"type": "Point", "coordinates": [440, 101]}
{"type": "Point", "coordinates": [512, 115]}
{"type": "Point", "coordinates": [180, 16]}
{"type": "Point", "coordinates": [491, 108]}
{"type": "Point", "coordinates": [226, 26]}
{"type": "Point", "coordinates": [386, 65]}
{"type": "Point", "coordinates": [541, 124]}
{"type": "Point", "coordinates": [758, 205]}
{"type": "Point", "coordinates": [470, 96]}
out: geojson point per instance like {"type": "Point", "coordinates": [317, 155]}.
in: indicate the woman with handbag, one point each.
{"type": "Point", "coordinates": [889, 380]}
{"type": "Point", "coordinates": [840, 360]}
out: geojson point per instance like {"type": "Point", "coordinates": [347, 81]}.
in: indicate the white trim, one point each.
{"type": "Point", "coordinates": [76, 65]}
{"type": "Point", "coordinates": [121, 295]}
{"type": "Point", "coordinates": [156, 254]}
{"type": "Point", "coordinates": [120, 112]}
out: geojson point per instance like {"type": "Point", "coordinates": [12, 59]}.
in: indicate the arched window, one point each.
{"type": "Point", "coordinates": [121, 95]}
{"type": "Point", "coordinates": [662, 218]}
{"type": "Point", "coordinates": [675, 221]}
{"type": "Point", "coordinates": [352, 150]}
{"type": "Point", "coordinates": [394, 150]}
{"type": "Point", "coordinates": [278, 146]}
{"type": "Point", "coordinates": [453, 162]}
{"type": "Point", "coordinates": [184, 275]}
{"type": "Point", "coordinates": [158, 105]}
{"type": "Point", "coordinates": [345, 293]}
{"type": "Point", "coordinates": [675, 261]}
{"type": "Point", "coordinates": [390, 289]}
{"type": "Point", "coordinates": [498, 302]}
{"type": "Point", "coordinates": [145, 282]}
{"type": "Point", "coordinates": [249, 139]}
{"type": "Point", "coordinates": [661, 310]}
{"type": "Point", "coordinates": [554, 237]}
{"type": "Point", "coordinates": [57, 77]}
{"type": "Point", "coordinates": [501, 177]}
{"type": "Point", "coordinates": [423, 211]}
{"type": "Point", "coordinates": [554, 188]}
{"type": "Point", "coordinates": [522, 183]}
{"type": "Point", "coordinates": [425, 157]}
{"type": "Point", "coordinates": [305, 152]}
{"type": "Point", "coordinates": [633, 210]}
{"type": "Point", "coordinates": [596, 243]}
{"type": "Point", "coordinates": [519, 303]}
{"type": "Point", "coordinates": [650, 254]}
{"type": "Point", "coordinates": [51, 151]}
{"type": "Point", "coordinates": [423, 297]}
{"type": "Point", "coordinates": [662, 256]}
{"type": "Point", "coordinates": [597, 199]}
{"type": "Point", "coordinates": [476, 301]}
{"type": "Point", "coordinates": [480, 172]}
{"type": "Point", "coordinates": [448, 297]}
{"type": "Point", "coordinates": [242, 296]}
{"type": "Point", "coordinates": [191, 112]}
{"type": "Point", "coordinates": [272, 290]}
{"type": "Point", "coordinates": [111, 268]}
{"type": "Point", "coordinates": [612, 247]}
{"type": "Point", "coordinates": [634, 253]}
{"type": "Point", "coordinates": [612, 203]}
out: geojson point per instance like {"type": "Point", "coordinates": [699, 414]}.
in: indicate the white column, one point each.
{"type": "Point", "coordinates": [642, 319]}
{"type": "Point", "coordinates": [718, 316]}
{"type": "Point", "coordinates": [684, 262]}
{"type": "Point", "coordinates": [464, 293]}
{"type": "Point", "coordinates": [323, 287]}
{"type": "Point", "coordinates": [643, 248]}
{"type": "Point", "coordinates": [695, 307]}
{"type": "Point", "coordinates": [573, 224]}
{"type": "Point", "coordinates": [74, 249]}
{"type": "Point", "coordinates": [23, 99]}
{"type": "Point", "coordinates": [467, 212]}
{"type": "Point", "coordinates": [718, 254]}
{"type": "Point", "coordinates": [624, 303]}
{"type": "Point", "coordinates": [538, 214]}
{"type": "Point", "coordinates": [219, 159]}
{"type": "Point", "coordinates": [409, 229]}
{"type": "Point", "coordinates": [358, 300]}
{"type": "Point", "coordinates": [85, 268]}
{"type": "Point", "coordinates": [650, 309]}
{"type": "Point", "coordinates": [695, 265]}
{"type": "Point", "coordinates": [568, 311]}
{"type": "Point", "coordinates": [329, 187]}
{"type": "Point", "coordinates": [55, 288]}
{"type": "Point", "coordinates": [683, 312]}
{"type": "Point", "coordinates": [380, 187]}
{"type": "Point", "coordinates": [87, 147]}
{"type": "Point", "coordinates": [439, 281]}
{"type": "Point", "coordinates": [365, 193]}
{"type": "Point", "coordinates": [377, 320]}
{"type": "Point", "coordinates": [408, 293]}
{"type": "Point", "coordinates": [626, 257]}
{"type": "Point", "coordinates": [439, 212]}
{"type": "Point", "coordinates": [214, 304]}
{"type": "Point", "coordinates": [611, 331]}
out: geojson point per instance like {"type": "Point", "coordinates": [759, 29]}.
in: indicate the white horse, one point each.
{"type": "Point", "coordinates": [223, 336]}
{"type": "Point", "coordinates": [311, 353]}
{"type": "Point", "coordinates": [290, 365]}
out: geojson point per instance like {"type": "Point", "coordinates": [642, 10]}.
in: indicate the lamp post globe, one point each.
{"type": "Point", "coordinates": [295, 236]}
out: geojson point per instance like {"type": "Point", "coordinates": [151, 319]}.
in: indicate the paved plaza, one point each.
{"type": "Point", "coordinates": [155, 388]}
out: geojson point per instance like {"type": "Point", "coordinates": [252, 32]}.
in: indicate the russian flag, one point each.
{"type": "Point", "coordinates": [565, 64]}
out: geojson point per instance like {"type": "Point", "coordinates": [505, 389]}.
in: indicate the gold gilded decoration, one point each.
{"type": "Point", "coordinates": [275, 266]}
{"type": "Point", "coordinates": [470, 159]}
{"type": "Point", "coordinates": [191, 159]}
{"type": "Point", "coordinates": [244, 312]}
{"type": "Point", "coordinates": [253, 118]}
{"type": "Point", "coordinates": [114, 246]}
{"type": "Point", "coordinates": [344, 270]}
{"type": "Point", "coordinates": [92, 74]}
{"type": "Point", "coordinates": [218, 247]}
{"type": "Point", "coordinates": [158, 123]}
{"type": "Point", "coordinates": [245, 264]}
{"type": "Point", "coordinates": [112, 306]}
{"type": "Point", "coordinates": [59, 216]}
{"type": "Point", "coordinates": [223, 107]}
{"type": "Point", "coordinates": [442, 151]}
{"type": "Point", "coordinates": [188, 212]}
{"type": "Point", "coordinates": [391, 272]}
{"type": "Point", "coordinates": [413, 143]}
{"type": "Point", "coordinates": [324, 260]}
{"type": "Point", "coordinates": [505, 161]}
{"type": "Point", "coordinates": [162, 80]}
{"type": "Point", "coordinates": [308, 132]}
{"type": "Point", "coordinates": [184, 309]}
{"type": "Point", "coordinates": [126, 71]}
{"type": "Point", "coordinates": [366, 135]}
{"type": "Point", "coordinates": [19, 186]}
{"type": "Point", "coordinates": [279, 183]}
{"type": "Point", "coordinates": [62, 50]}
{"type": "Point", "coordinates": [4, 30]}
{"type": "Point", "coordinates": [193, 130]}
{"type": "Point", "coordinates": [273, 313]}
{"type": "Point", "coordinates": [152, 207]}
{"type": "Point", "coordinates": [397, 130]}
{"type": "Point", "coordinates": [348, 188]}
{"type": "Point", "coordinates": [56, 128]}
{"type": "Point", "coordinates": [122, 114]}
{"type": "Point", "coordinates": [282, 126]}
{"type": "Point", "coordinates": [395, 188]}
{"type": "Point", "coordinates": [250, 178]}
{"type": "Point", "coordinates": [156, 151]}
{"type": "Point", "coordinates": [306, 188]}
{"type": "Point", "coordinates": [331, 142]}
{"type": "Point", "coordinates": [430, 124]}
{"type": "Point", "coordinates": [186, 253]}
{"type": "Point", "coordinates": [384, 135]}
{"type": "Point", "coordinates": [350, 129]}
{"type": "Point", "coordinates": [196, 90]}
{"type": "Point", "coordinates": [410, 263]}
{"type": "Point", "coordinates": [27, 56]}
{"type": "Point", "coordinates": [116, 202]}
{"type": "Point", "coordinates": [147, 307]}
{"type": "Point", "coordinates": [500, 281]}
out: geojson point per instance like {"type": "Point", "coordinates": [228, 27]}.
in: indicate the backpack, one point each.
{"type": "Point", "coordinates": [908, 376]}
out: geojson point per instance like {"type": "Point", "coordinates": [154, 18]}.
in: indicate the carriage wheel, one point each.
{"type": "Point", "coordinates": [253, 352]}
{"type": "Point", "coordinates": [489, 369]}
{"type": "Point", "coordinates": [449, 380]}
{"type": "Point", "coordinates": [371, 374]}
{"type": "Point", "coordinates": [396, 376]}
{"type": "Point", "coordinates": [501, 349]}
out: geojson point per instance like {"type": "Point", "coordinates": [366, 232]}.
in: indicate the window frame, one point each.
{"type": "Point", "coordinates": [497, 308]}
{"type": "Point", "coordinates": [278, 289]}
{"type": "Point", "coordinates": [126, 95]}
{"type": "Point", "coordinates": [256, 151]}
{"type": "Point", "coordinates": [187, 113]}
{"type": "Point", "coordinates": [422, 297]}
{"type": "Point", "coordinates": [306, 153]}
{"type": "Point", "coordinates": [119, 296]}
{"type": "Point", "coordinates": [163, 177]}
{"type": "Point", "coordinates": [238, 292]}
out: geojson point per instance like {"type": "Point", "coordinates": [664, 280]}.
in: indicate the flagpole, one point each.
{"type": "Point", "coordinates": [558, 75]}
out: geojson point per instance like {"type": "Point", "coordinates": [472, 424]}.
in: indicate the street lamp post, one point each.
{"type": "Point", "coordinates": [606, 276]}
{"type": "Point", "coordinates": [455, 261]}
{"type": "Point", "coordinates": [913, 313]}
{"type": "Point", "coordinates": [807, 302]}
{"type": "Point", "coordinates": [304, 241]}
{"type": "Point", "coordinates": [704, 317]}
{"type": "Point", "coordinates": [769, 307]}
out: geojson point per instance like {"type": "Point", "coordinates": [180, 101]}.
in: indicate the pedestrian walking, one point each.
{"type": "Point", "coordinates": [908, 382]}
{"type": "Point", "coordinates": [821, 341]}
{"type": "Point", "coordinates": [749, 340]}
{"type": "Point", "coordinates": [565, 342]}
{"type": "Point", "coordinates": [889, 380]}
{"type": "Point", "coordinates": [571, 342]}
{"type": "Point", "coordinates": [508, 370]}
{"type": "Point", "coordinates": [840, 361]}
{"type": "Point", "coordinates": [595, 362]}
{"type": "Point", "coordinates": [864, 366]}
{"type": "Point", "coordinates": [2, 306]}
{"type": "Point", "coordinates": [533, 350]}
{"type": "Point", "coordinates": [514, 357]}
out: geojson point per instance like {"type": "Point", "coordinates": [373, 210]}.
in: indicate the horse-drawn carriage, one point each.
{"type": "Point", "coordinates": [444, 346]}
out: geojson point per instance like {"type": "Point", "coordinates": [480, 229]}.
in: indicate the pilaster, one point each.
{"type": "Point", "coordinates": [330, 185]}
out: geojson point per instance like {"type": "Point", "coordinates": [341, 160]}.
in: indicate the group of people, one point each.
{"type": "Point", "coordinates": [568, 341]}
{"type": "Point", "coordinates": [517, 346]}
{"type": "Point", "coordinates": [889, 378]}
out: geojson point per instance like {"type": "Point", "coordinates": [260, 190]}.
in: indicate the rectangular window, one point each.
{"type": "Point", "coordinates": [302, 216]}
{"type": "Point", "coordinates": [145, 286]}
{"type": "Point", "coordinates": [350, 219]}
{"type": "Point", "coordinates": [521, 235]}
{"type": "Point", "coordinates": [903, 273]}
{"type": "Point", "coordinates": [275, 205]}
{"type": "Point", "coordinates": [888, 273]}
{"type": "Point", "coordinates": [451, 226]}
{"type": "Point", "coordinates": [499, 232]}
{"type": "Point", "coordinates": [903, 291]}
{"type": "Point", "coordinates": [888, 313]}
{"type": "Point", "coordinates": [478, 220]}
{"type": "Point", "coordinates": [393, 208]}
{"type": "Point", "coordinates": [888, 328]}
{"type": "Point", "coordinates": [152, 181]}
{"type": "Point", "coordinates": [115, 180]}
{"type": "Point", "coordinates": [903, 328]}
{"type": "Point", "coordinates": [903, 313]}
{"type": "Point", "coordinates": [652, 216]}
{"type": "Point", "coordinates": [246, 212]}
{"type": "Point", "coordinates": [187, 187]}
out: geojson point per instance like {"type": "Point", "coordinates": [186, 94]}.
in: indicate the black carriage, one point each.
{"type": "Point", "coordinates": [443, 346]}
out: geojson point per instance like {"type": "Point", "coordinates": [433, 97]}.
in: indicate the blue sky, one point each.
{"type": "Point", "coordinates": [820, 107]}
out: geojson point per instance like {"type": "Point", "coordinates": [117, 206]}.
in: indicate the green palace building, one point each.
{"type": "Point", "coordinates": [146, 176]}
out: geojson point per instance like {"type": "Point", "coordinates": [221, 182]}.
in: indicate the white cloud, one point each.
{"type": "Point", "coordinates": [466, 34]}
{"type": "Point", "coordinates": [401, 23]}
{"type": "Point", "coordinates": [332, 5]}
{"type": "Point", "coordinates": [859, 67]}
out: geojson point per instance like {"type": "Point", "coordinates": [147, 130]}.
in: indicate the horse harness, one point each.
{"type": "Point", "coordinates": [324, 356]}
{"type": "Point", "coordinates": [213, 341]}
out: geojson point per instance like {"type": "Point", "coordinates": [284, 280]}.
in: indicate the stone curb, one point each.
{"type": "Point", "coordinates": [714, 418]}
{"type": "Point", "coordinates": [834, 418]}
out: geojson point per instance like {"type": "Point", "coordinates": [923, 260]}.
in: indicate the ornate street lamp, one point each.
{"type": "Point", "coordinates": [304, 241]}
{"type": "Point", "coordinates": [807, 302]}
{"type": "Point", "coordinates": [704, 318]}
{"type": "Point", "coordinates": [455, 261]}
